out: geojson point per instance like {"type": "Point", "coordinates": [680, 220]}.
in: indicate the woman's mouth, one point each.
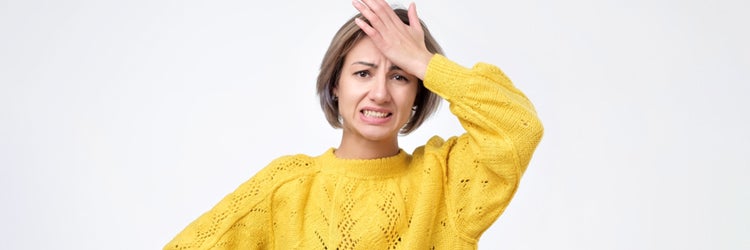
{"type": "Point", "coordinates": [375, 114]}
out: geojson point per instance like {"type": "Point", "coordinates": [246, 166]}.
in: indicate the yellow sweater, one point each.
{"type": "Point", "coordinates": [442, 196]}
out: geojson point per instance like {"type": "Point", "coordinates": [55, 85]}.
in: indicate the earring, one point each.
{"type": "Point", "coordinates": [414, 108]}
{"type": "Point", "coordinates": [335, 98]}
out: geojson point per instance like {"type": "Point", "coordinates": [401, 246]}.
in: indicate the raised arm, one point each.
{"type": "Point", "coordinates": [483, 167]}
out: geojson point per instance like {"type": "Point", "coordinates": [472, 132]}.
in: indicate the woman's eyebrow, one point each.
{"type": "Point", "coordinates": [372, 65]}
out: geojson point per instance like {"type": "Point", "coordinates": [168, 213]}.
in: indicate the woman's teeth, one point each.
{"type": "Point", "coordinates": [370, 113]}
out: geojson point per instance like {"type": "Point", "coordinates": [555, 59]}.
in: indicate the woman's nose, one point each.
{"type": "Point", "coordinates": [379, 90]}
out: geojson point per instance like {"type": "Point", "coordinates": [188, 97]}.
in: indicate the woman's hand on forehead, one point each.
{"type": "Point", "coordinates": [402, 44]}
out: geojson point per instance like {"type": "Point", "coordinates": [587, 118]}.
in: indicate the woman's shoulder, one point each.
{"type": "Point", "coordinates": [284, 169]}
{"type": "Point", "coordinates": [292, 162]}
{"type": "Point", "coordinates": [436, 145]}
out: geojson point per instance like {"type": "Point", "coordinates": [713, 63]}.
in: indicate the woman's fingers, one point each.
{"type": "Point", "coordinates": [370, 31]}
{"type": "Point", "coordinates": [414, 19]}
{"type": "Point", "coordinates": [383, 21]}
{"type": "Point", "coordinates": [379, 13]}
{"type": "Point", "coordinates": [401, 43]}
{"type": "Point", "coordinates": [366, 12]}
{"type": "Point", "coordinates": [382, 10]}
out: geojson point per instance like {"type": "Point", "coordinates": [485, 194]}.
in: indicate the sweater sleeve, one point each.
{"type": "Point", "coordinates": [242, 219]}
{"type": "Point", "coordinates": [483, 166]}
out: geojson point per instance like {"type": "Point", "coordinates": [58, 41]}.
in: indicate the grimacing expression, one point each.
{"type": "Point", "coordinates": [375, 97]}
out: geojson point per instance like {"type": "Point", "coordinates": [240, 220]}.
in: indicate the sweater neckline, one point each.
{"type": "Point", "coordinates": [364, 168]}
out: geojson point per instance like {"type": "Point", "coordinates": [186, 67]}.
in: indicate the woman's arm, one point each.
{"type": "Point", "coordinates": [483, 166]}
{"type": "Point", "coordinates": [242, 219]}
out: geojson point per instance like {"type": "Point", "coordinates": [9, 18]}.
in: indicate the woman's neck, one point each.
{"type": "Point", "coordinates": [359, 148]}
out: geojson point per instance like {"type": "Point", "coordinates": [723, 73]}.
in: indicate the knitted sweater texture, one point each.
{"type": "Point", "coordinates": [441, 196]}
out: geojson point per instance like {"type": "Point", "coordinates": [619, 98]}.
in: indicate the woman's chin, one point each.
{"type": "Point", "coordinates": [378, 134]}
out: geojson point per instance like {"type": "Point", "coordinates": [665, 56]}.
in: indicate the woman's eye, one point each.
{"type": "Point", "coordinates": [362, 73]}
{"type": "Point", "coordinates": [400, 78]}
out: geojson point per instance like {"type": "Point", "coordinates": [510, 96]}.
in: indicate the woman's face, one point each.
{"type": "Point", "coordinates": [375, 97]}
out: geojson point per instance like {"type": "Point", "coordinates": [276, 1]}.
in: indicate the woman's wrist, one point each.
{"type": "Point", "coordinates": [420, 65]}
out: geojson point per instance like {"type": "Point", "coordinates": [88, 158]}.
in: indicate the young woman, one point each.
{"type": "Point", "coordinates": [382, 76]}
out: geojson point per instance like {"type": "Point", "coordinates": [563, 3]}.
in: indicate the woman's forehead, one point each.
{"type": "Point", "coordinates": [364, 52]}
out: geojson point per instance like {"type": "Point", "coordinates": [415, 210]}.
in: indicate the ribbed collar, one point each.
{"type": "Point", "coordinates": [369, 168]}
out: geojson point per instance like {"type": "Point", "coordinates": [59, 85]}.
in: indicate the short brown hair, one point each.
{"type": "Point", "coordinates": [426, 102]}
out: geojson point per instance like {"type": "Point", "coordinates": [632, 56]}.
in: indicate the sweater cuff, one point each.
{"type": "Point", "coordinates": [442, 76]}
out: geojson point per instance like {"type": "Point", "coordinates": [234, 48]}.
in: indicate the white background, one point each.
{"type": "Point", "coordinates": [122, 121]}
